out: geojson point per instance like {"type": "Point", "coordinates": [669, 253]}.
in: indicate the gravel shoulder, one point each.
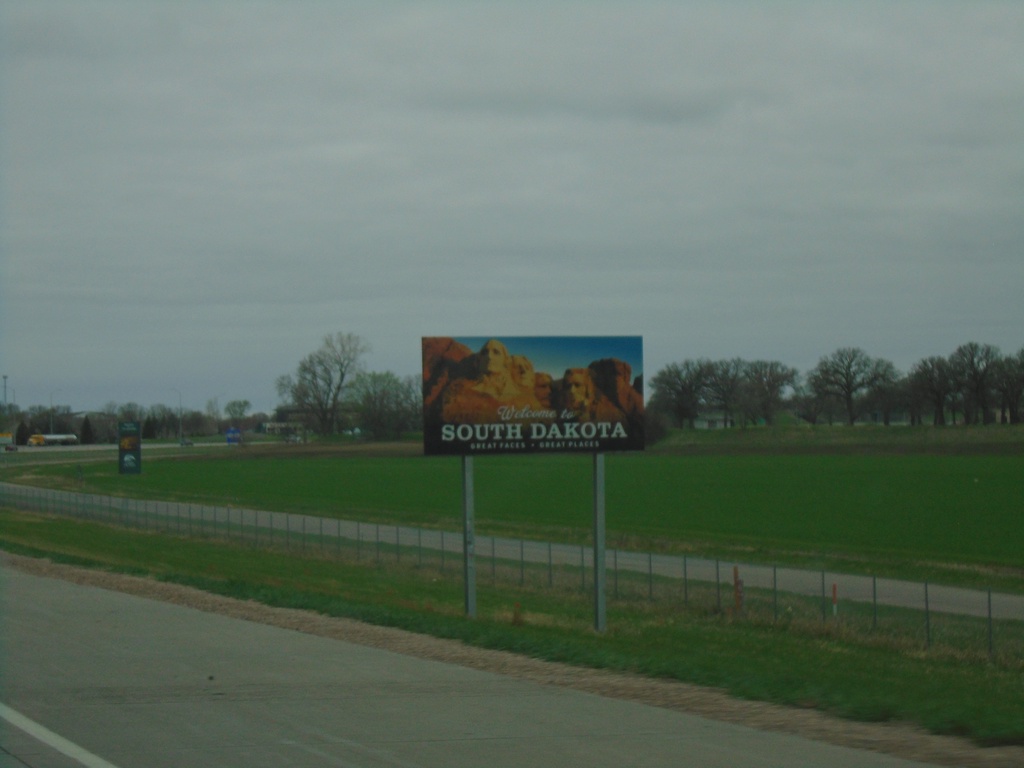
{"type": "Point", "coordinates": [890, 738]}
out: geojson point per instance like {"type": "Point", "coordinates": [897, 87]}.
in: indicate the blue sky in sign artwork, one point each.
{"type": "Point", "coordinates": [553, 354]}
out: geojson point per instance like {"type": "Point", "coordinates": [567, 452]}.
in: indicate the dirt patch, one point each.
{"type": "Point", "coordinates": [893, 739]}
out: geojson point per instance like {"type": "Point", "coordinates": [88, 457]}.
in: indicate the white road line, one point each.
{"type": "Point", "coordinates": [51, 739]}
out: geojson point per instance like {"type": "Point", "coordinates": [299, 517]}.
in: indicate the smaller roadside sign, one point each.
{"type": "Point", "coordinates": [129, 453]}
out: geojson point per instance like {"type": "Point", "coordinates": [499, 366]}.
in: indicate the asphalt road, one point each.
{"type": "Point", "coordinates": [107, 680]}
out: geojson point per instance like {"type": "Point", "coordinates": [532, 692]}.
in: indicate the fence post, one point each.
{"type": "Point", "coordinates": [823, 609]}
{"type": "Point", "coordinates": [522, 562]}
{"type": "Point", "coordinates": [615, 573]}
{"type": "Point", "coordinates": [991, 646]}
{"type": "Point", "coordinates": [686, 583]}
{"type": "Point", "coordinates": [874, 602]}
{"type": "Point", "coordinates": [583, 571]}
{"type": "Point", "coordinates": [737, 589]}
{"type": "Point", "coordinates": [718, 584]}
{"type": "Point", "coordinates": [650, 576]}
{"type": "Point", "coordinates": [551, 572]}
{"type": "Point", "coordinates": [468, 537]}
{"type": "Point", "coordinates": [927, 620]}
{"type": "Point", "coordinates": [775, 593]}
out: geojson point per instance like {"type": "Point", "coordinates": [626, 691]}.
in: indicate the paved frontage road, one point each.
{"type": "Point", "coordinates": [102, 679]}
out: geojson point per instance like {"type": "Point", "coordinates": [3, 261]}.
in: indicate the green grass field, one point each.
{"type": "Point", "coordinates": [915, 515]}
{"type": "Point", "coordinates": [864, 507]}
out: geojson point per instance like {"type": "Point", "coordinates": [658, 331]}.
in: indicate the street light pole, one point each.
{"type": "Point", "coordinates": [179, 415]}
{"type": "Point", "coordinates": [51, 409]}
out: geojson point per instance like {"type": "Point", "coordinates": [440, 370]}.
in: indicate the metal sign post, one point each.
{"type": "Point", "coordinates": [600, 615]}
{"type": "Point", "coordinates": [468, 537]}
{"type": "Point", "coordinates": [527, 395]}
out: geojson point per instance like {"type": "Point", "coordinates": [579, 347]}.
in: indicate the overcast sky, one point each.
{"type": "Point", "coordinates": [192, 194]}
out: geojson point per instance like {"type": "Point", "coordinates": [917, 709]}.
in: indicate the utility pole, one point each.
{"type": "Point", "coordinates": [180, 437]}
{"type": "Point", "coordinates": [51, 409]}
{"type": "Point", "coordinates": [5, 393]}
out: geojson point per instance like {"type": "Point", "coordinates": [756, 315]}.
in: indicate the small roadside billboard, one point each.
{"type": "Point", "coordinates": [129, 448]}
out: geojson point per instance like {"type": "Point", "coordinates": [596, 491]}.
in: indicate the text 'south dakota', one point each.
{"type": "Point", "coordinates": [499, 433]}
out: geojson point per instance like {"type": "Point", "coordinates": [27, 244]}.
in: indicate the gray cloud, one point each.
{"type": "Point", "coordinates": [199, 192]}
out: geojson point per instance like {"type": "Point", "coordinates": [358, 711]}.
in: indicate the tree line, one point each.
{"type": "Point", "coordinates": [330, 391]}
{"type": "Point", "coordinates": [975, 384]}
{"type": "Point", "coordinates": [158, 421]}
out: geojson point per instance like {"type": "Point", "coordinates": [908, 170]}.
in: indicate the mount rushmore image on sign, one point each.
{"type": "Point", "coordinates": [529, 394]}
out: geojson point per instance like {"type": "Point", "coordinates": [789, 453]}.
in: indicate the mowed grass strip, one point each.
{"type": "Point", "coordinates": [912, 516]}
{"type": "Point", "coordinates": [777, 663]}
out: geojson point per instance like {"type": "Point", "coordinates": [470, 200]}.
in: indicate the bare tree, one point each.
{"type": "Point", "coordinates": [765, 381]}
{"type": "Point", "coordinates": [806, 404]}
{"type": "Point", "coordinates": [9, 414]}
{"type": "Point", "coordinates": [888, 390]}
{"type": "Point", "coordinates": [213, 413]}
{"type": "Point", "coordinates": [932, 379]}
{"type": "Point", "coordinates": [976, 365]}
{"type": "Point", "coordinates": [844, 375]}
{"type": "Point", "coordinates": [680, 389]}
{"type": "Point", "coordinates": [164, 419]}
{"type": "Point", "coordinates": [236, 410]}
{"type": "Point", "coordinates": [130, 412]}
{"type": "Point", "coordinates": [387, 405]}
{"type": "Point", "coordinates": [1009, 383]}
{"type": "Point", "coordinates": [317, 385]}
{"type": "Point", "coordinates": [724, 387]}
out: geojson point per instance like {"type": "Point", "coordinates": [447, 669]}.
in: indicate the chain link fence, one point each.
{"type": "Point", "coordinates": [965, 622]}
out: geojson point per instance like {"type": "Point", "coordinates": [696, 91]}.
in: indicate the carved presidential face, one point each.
{"type": "Point", "coordinates": [493, 357]}
{"type": "Point", "coordinates": [522, 369]}
{"type": "Point", "coordinates": [542, 388]}
{"type": "Point", "coordinates": [578, 389]}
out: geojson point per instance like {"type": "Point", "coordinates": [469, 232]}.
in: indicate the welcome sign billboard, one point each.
{"type": "Point", "coordinates": [530, 394]}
